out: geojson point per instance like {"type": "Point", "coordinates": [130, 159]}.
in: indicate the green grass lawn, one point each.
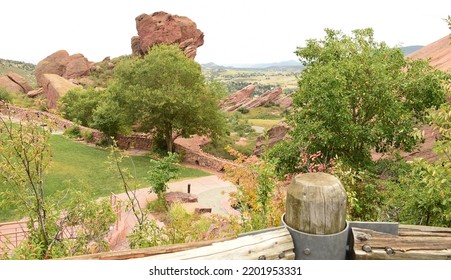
{"type": "Point", "coordinates": [75, 164]}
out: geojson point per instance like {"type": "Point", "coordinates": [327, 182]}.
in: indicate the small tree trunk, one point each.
{"type": "Point", "coordinates": [169, 140]}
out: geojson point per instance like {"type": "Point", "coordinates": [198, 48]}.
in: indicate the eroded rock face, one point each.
{"type": "Point", "coordinates": [64, 65]}
{"type": "Point", "coordinates": [9, 85]}
{"type": "Point", "coordinates": [55, 86]}
{"type": "Point", "coordinates": [164, 28]}
{"type": "Point", "coordinates": [18, 79]}
{"type": "Point", "coordinates": [244, 99]}
{"type": "Point", "coordinates": [271, 137]}
{"type": "Point", "coordinates": [237, 99]}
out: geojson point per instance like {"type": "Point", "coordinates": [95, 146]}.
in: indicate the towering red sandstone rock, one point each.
{"type": "Point", "coordinates": [164, 28]}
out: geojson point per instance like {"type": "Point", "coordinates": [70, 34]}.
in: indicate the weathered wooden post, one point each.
{"type": "Point", "coordinates": [316, 217]}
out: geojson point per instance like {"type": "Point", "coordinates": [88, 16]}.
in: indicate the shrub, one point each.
{"type": "Point", "coordinates": [5, 96]}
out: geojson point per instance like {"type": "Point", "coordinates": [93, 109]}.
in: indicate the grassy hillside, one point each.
{"type": "Point", "coordinates": [75, 164]}
{"type": "Point", "coordinates": [265, 78]}
{"type": "Point", "coordinates": [26, 70]}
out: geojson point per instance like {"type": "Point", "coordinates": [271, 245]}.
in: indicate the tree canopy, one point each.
{"type": "Point", "coordinates": [357, 95]}
{"type": "Point", "coordinates": [166, 93]}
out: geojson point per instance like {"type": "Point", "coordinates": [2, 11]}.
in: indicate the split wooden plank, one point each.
{"type": "Point", "coordinates": [271, 245]}
{"type": "Point", "coordinates": [412, 243]}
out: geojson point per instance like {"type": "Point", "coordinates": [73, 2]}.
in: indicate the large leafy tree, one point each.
{"type": "Point", "coordinates": [357, 95]}
{"type": "Point", "coordinates": [166, 93]}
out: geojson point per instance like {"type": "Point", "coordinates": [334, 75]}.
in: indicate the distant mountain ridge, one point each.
{"type": "Point", "coordinates": [282, 65]}
{"type": "Point", "coordinates": [285, 65]}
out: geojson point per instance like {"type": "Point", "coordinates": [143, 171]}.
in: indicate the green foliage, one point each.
{"type": "Point", "coordinates": [423, 194]}
{"type": "Point", "coordinates": [24, 159]}
{"type": "Point", "coordinates": [73, 131]}
{"type": "Point", "coordinates": [78, 104]}
{"type": "Point", "coordinates": [243, 110]}
{"type": "Point", "coordinates": [161, 172]}
{"type": "Point", "coordinates": [165, 92]}
{"type": "Point", "coordinates": [109, 118]}
{"type": "Point", "coordinates": [365, 195]}
{"type": "Point", "coordinates": [260, 196]}
{"type": "Point", "coordinates": [4, 95]}
{"type": "Point", "coordinates": [356, 95]}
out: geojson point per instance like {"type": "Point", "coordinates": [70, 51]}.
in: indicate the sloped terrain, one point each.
{"type": "Point", "coordinates": [439, 52]}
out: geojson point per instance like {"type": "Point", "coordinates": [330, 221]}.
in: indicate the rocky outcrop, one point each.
{"type": "Point", "coordinates": [439, 53]}
{"type": "Point", "coordinates": [13, 82]}
{"type": "Point", "coordinates": [164, 28]}
{"type": "Point", "coordinates": [77, 66]}
{"type": "Point", "coordinates": [64, 65]}
{"type": "Point", "coordinates": [55, 86]}
{"type": "Point", "coordinates": [237, 99]}
{"type": "Point", "coordinates": [264, 99]}
{"type": "Point", "coordinates": [36, 92]}
{"type": "Point", "coordinates": [10, 86]}
{"type": "Point", "coordinates": [271, 137]}
{"type": "Point", "coordinates": [243, 99]}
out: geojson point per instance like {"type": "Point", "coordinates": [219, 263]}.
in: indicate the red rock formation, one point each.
{"type": "Point", "coordinates": [52, 64]}
{"type": "Point", "coordinates": [13, 82]}
{"type": "Point", "coordinates": [237, 99]}
{"type": "Point", "coordinates": [439, 52]}
{"type": "Point", "coordinates": [36, 92]}
{"type": "Point", "coordinates": [77, 66]}
{"type": "Point", "coordinates": [243, 99]}
{"type": "Point", "coordinates": [271, 137]}
{"type": "Point", "coordinates": [61, 64]}
{"type": "Point", "coordinates": [164, 28]}
{"type": "Point", "coordinates": [55, 86]}
{"type": "Point", "coordinates": [18, 79]}
{"type": "Point", "coordinates": [264, 99]}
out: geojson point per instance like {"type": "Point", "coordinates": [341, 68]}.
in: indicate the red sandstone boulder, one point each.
{"type": "Point", "coordinates": [61, 64]}
{"type": "Point", "coordinates": [164, 28]}
{"type": "Point", "coordinates": [18, 79]}
{"type": "Point", "coordinates": [9, 85]}
{"type": "Point", "coordinates": [264, 99]}
{"type": "Point", "coordinates": [55, 86]}
{"type": "Point", "coordinates": [271, 137]}
{"type": "Point", "coordinates": [237, 99]}
{"type": "Point", "coordinates": [52, 64]}
{"type": "Point", "coordinates": [36, 92]}
{"type": "Point", "coordinates": [76, 67]}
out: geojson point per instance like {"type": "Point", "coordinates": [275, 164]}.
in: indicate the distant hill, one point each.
{"type": "Point", "coordinates": [275, 66]}
{"type": "Point", "coordinates": [24, 69]}
{"type": "Point", "coordinates": [410, 49]}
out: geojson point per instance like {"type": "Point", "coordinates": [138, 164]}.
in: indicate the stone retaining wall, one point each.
{"type": "Point", "coordinates": [136, 141]}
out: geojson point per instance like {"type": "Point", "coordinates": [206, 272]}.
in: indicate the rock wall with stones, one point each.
{"type": "Point", "coordinates": [137, 141]}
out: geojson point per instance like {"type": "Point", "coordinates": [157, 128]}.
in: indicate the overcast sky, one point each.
{"type": "Point", "coordinates": [236, 31]}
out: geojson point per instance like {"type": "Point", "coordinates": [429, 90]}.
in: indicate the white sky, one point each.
{"type": "Point", "coordinates": [236, 31]}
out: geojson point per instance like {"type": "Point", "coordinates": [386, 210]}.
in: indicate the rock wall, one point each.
{"type": "Point", "coordinates": [137, 141]}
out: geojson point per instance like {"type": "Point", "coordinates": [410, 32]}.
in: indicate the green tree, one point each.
{"type": "Point", "coordinates": [78, 104]}
{"type": "Point", "coordinates": [166, 93]}
{"type": "Point", "coordinates": [161, 172]}
{"type": "Point", "coordinates": [357, 95]}
{"type": "Point", "coordinates": [423, 194]}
